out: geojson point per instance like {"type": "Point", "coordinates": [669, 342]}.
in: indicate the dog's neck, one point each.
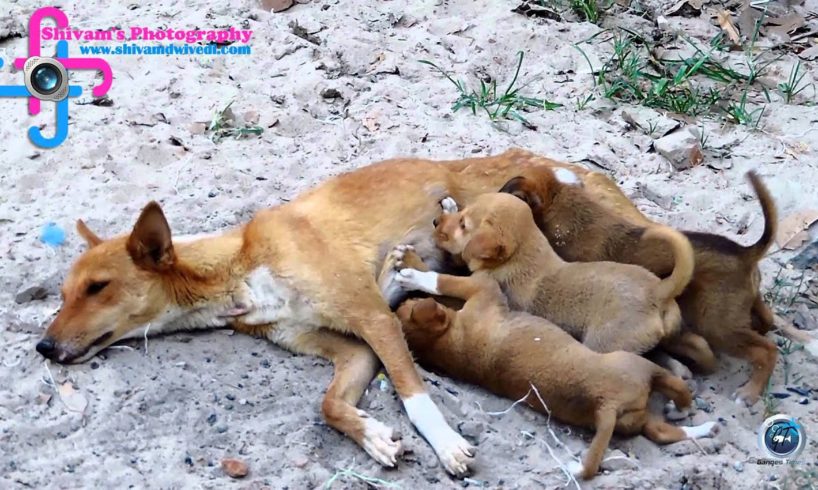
{"type": "Point", "coordinates": [533, 259]}
{"type": "Point", "coordinates": [205, 285]}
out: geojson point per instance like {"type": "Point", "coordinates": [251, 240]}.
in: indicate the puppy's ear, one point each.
{"type": "Point", "coordinates": [429, 313]}
{"type": "Point", "coordinates": [485, 245]}
{"type": "Point", "coordinates": [150, 243]}
{"type": "Point", "coordinates": [89, 236]}
{"type": "Point", "coordinates": [520, 187]}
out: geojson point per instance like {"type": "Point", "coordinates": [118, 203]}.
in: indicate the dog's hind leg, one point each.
{"type": "Point", "coordinates": [762, 354]}
{"type": "Point", "coordinates": [660, 432]}
{"type": "Point", "coordinates": [605, 425]}
{"type": "Point", "coordinates": [355, 365]}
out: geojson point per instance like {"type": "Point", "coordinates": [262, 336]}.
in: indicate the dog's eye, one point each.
{"type": "Point", "coordinates": [95, 287]}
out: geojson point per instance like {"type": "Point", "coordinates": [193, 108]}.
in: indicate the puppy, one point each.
{"type": "Point", "coordinates": [512, 353]}
{"type": "Point", "coordinates": [722, 306]}
{"type": "Point", "coordinates": [606, 305]}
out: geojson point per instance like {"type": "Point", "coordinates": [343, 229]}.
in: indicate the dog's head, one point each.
{"type": "Point", "coordinates": [115, 287]}
{"type": "Point", "coordinates": [424, 320]}
{"type": "Point", "coordinates": [487, 232]}
{"type": "Point", "coordinates": [538, 185]}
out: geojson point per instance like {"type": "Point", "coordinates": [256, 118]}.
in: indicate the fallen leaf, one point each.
{"type": "Point", "coordinates": [73, 399]}
{"type": "Point", "coordinates": [370, 121]}
{"type": "Point", "coordinates": [726, 23]}
{"type": "Point", "coordinates": [686, 8]}
{"type": "Point", "coordinates": [792, 229]}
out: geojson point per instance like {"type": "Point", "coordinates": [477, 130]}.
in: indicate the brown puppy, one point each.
{"type": "Point", "coordinates": [606, 305]}
{"type": "Point", "coordinates": [722, 303]}
{"type": "Point", "coordinates": [511, 353]}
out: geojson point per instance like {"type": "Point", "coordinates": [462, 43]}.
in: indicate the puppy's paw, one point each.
{"type": "Point", "coordinates": [455, 454]}
{"type": "Point", "coordinates": [675, 414]}
{"type": "Point", "coordinates": [415, 280]}
{"type": "Point", "coordinates": [379, 441]}
{"type": "Point", "coordinates": [707, 429]}
{"type": "Point", "coordinates": [449, 205]}
{"type": "Point", "coordinates": [747, 395]}
{"type": "Point", "coordinates": [405, 256]}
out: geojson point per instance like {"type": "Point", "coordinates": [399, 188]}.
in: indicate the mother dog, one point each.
{"type": "Point", "coordinates": [309, 267]}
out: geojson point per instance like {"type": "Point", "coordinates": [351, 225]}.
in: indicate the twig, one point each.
{"type": "Point", "coordinates": [147, 327]}
{"type": "Point", "coordinates": [369, 480]}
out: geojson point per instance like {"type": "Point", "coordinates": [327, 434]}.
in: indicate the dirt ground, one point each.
{"type": "Point", "coordinates": [163, 412]}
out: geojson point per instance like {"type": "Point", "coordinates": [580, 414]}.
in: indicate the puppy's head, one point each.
{"type": "Point", "coordinates": [424, 320]}
{"type": "Point", "coordinates": [538, 185]}
{"type": "Point", "coordinates": [487, 232]}
{"type": "Point", "coordinates": [114, 287]}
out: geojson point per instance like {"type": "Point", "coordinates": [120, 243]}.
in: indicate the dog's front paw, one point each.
{"type": "Point", "coordinates": [415, 280]}
{"type": "Point", "coordinates": [674, 413]}
{"type": "Point", "coordinates": [449, 205]}
{"type": "Point", "coordinates": [707, 429]}
{"type": "Point", "coordinates": [379, 441]}
{"type": "Point", "coordinates": [455, 454]}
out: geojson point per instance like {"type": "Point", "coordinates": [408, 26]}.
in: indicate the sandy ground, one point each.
{"type": "Point", "coordinates": [163, 413]}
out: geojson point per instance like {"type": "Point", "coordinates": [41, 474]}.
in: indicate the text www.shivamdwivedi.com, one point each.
{"type": "Point", "coordinates": [165, 49]}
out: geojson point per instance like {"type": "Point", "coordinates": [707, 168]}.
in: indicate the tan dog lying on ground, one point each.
{"type": "Point", "coordinates": [510, 353]}
{"type": "Point", "coordinates": [722, 303]}
{"type": "Point", "coordinates": [606, 305]}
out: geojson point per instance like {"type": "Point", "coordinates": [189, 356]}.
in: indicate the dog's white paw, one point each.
{"type": "Point", "coordinates": [454, 452]}
{"type": "Point", "coordinates": [575, 468]}
{"type": "Point", "coordinates": [415, 280]}
{"type": "Point", "coordinates": [449, 205]}
{"type": "Point", "coordinates": [378, 443]}
{"type": "Point", "coordinates": [707, 429]}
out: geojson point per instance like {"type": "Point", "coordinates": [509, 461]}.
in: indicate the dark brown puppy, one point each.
{"type": "Point", "coordinates": [518, 355]}
{"type": "Point", "coordinates": [722, 303]}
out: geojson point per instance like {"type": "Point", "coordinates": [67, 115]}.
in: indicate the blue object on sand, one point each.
{"type": "Point", "coordinates": [52, 235]}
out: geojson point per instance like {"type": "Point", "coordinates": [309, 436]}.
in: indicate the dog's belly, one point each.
{"type": "Point", "coordinates": [286, 312]}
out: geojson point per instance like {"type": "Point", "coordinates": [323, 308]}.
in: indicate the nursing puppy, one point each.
{"type": "Point", "coordinates": [606, 305]}
{"type": "Point", "coordinates": [509, 353]}
{"type": "Point", "coordinates": [722, 302]}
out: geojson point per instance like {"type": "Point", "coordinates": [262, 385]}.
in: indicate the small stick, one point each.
{"type": "Point", "coordinates": [147, 327]}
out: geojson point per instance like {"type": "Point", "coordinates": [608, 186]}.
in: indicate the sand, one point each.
{"type": "Point", "coordinates": [162, 413]}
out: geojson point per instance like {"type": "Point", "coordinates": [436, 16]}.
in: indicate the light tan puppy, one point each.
{"type": "Point", "coordinates": [606, 305]}
{"type": "Point", "coordinates": [518, 355]}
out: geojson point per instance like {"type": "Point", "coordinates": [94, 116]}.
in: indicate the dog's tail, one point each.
{"type": "Point", "coordinates": [672, 386]}
{"type": "Point", "coordinates": [674, 284]}
{"type": "Point", "coordinates": [755, 252]}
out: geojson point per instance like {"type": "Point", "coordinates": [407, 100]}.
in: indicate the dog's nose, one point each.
{"type": "Point", "coordinates": [435, 222]}
{"type": "Point", "coordinates": [47, 347]}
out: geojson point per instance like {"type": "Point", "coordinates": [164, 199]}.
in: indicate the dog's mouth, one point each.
{"type": "Point", "coordinates": [102, 338]}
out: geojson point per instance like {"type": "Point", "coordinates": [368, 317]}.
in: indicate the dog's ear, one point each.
{"type": "Point", "coordinates": [520, 187]}
{"type": "Point", "coordinates": [485, 245]}
{"type": "Point", "coordinates": [89, 236]}
{"type": "Point", "coordinates": [150, 244]}
{"type": "Point", "coordinates": [429, 313]}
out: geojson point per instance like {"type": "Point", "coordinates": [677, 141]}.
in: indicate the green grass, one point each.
{"type": "Point", "coordinates": [586, 10]}
{"type": "Point", "coordinates": [497, 105]}
{"type": "Point", "coordinates": [222, 126]}
{"type": "Point", "coordinates": [794, 84]}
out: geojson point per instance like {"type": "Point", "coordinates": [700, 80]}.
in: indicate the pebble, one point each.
{"type": "Point", "coordinates": [799, 390]}
{"type": "Point", "coordinates": [617, 461]}
{"type": "Point", "coordinates": [681, 148]}
{"type": "Point", "coordinates": [471, 429]}
{"type": "Point", "coordinates": [34, 293]}
{"type": "Point", "coordinates": [211, 419]}
{"type": "Point", "coordinates": [738, 466]}
{"type": "Point", "coordinates": [234, 468]}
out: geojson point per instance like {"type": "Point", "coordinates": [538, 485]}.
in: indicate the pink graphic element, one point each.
{"type": "Point", "coordinates": [76, 63]}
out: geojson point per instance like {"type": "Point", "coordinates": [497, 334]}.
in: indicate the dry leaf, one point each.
{"type": "Point", "coordinates": [73, 399]}
{"type": "Point", "coordinates": [370, 121]}
{"type": "Point", "coordinates": [726, 23]}
{"type": "Point", "coordinates": [792, 229]}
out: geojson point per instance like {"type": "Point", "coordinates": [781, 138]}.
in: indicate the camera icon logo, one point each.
{"type": "Point", "coordinates": [46, 78]}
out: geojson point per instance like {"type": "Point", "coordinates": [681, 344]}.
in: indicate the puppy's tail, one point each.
{"type": "Point", "coordinates": [755, 252]}
{"type": "Point", "coordinates": [672, 386]}
{"type": "Point", "coordinates": [674, 284]}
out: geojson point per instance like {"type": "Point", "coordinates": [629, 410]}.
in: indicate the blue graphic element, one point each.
{"type": "Point", "coordinates": [61, 131]}
{"type": "Point", "coordinates": [1, 62]}
{"type": "Point", "coordinates": [52, 235]}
